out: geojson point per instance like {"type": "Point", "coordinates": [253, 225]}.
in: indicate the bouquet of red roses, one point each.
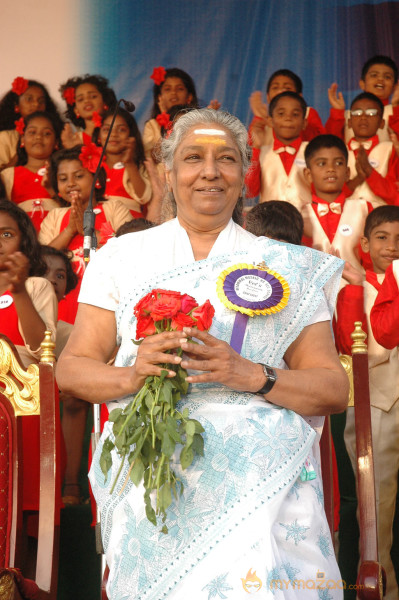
{"type": "Point", "coordinates": [147, 430]}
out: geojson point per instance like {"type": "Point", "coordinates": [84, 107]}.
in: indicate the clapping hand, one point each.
{"type": "Point", "coordinates": [129, 152]}
{"type": "Point", "coordinates": [14, 272]}
{"type": "Point", "coordinates": [336, 98]}
{"type": "Point", "coordinates": [258, 107]}
{"type": "Point", "coordinates": [363, 166]}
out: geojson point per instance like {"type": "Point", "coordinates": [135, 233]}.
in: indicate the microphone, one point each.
{"type": "Point", "coordinates": [128, 105]}
{"type": "Point", "coordinates": [89, 217]}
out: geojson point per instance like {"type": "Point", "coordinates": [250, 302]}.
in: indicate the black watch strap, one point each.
{"type": "Point", "coordinates": [271, 375]}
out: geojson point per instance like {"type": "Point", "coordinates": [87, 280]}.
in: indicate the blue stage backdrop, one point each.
{"type": "Point", "coordinates": [230, 47]}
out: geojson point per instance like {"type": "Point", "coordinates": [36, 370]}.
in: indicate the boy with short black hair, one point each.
{"type": "Point", "coordinates": [277, 220]}
{"type": "Point", "coordinates": [375, 163]}
{"type": "Point", "coordinates": [331, 221]}
{"type": "Point", "coordinates": [280, 81]}
{"type": "Point", "coordinates": [355, 301]}
{"type": "Point", "coordinates": [277, 168]}
{"type": "Point", "coordinates": [379, 76]}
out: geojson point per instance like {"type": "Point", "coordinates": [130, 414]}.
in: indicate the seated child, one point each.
{"type": "Point", "coordinates": [276, 219]}
{"type": "Point", "coordinates": [171, 87]}
{"type": "Point", "coordinates": [134, 226]}
{"type": "Point", "coordinates": [280, 81]}
{"type": "Point", "coordinates": [355, 301]}
{"type": "Point", "coordinates": [63, 278]}
{"type": "Point", "coordinates": [28, 307]}
{"type": "Point", "coordinates": [375, 163]}
{"type": "Point", "coordinates": [25, 97]}
{"type": "Point", "coordinates": [384, 316]}
{"type": "Point", "coordinates": [87, 99]}
{"type": "Point", "coordinates": [277, 168]}
{"type": "Point", "coordinates": [379, 77]}
{"type": "Point", "coordinates": [71, 175]}
{"type": "Point", "coordinates": [127, 178]}
{"type": "Point", "coordinates": [331, 221]}
{"type": "Point", "coordinates": [27, 183]}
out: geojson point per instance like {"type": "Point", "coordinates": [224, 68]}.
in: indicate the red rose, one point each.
{"type": "Point", "coordinates": [165, 307]}
{"type": "Point", "coordinates": [203, 315]}
{"type": "Point", "coordinates": [158, 75]}
{"type": "Point", "coordinates": [181, 320]}
{"type": "Point", "coordinates": [144, 306]}
{"type": "Point", "coordinates": [145, 327]}
{"type": "Point", "coordinates": [20, 126]}
{"type": "Point", "coordinates": [69, 95]}
{"type": "Point", "coordinates": [19, 85]}
{"type": "Point", "coordinates": [188, 303]}
{"type": "Point", "coordinates": [163, 293]}
{"type": "Point", "coordinates": [97, 119]}
{"type": "Point", "coordinates": [90, 156]}
{"type": "Point", "coordinates": [163, 119]}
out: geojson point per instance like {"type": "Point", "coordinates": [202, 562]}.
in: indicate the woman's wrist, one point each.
{"type": "Point", "coordinates": [257, 379]}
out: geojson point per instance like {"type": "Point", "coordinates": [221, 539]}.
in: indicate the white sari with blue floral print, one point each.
{"type": "Point", "coordinates": [248, 521]}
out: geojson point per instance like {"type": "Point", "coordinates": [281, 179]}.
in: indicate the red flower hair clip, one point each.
{"type": "Point", "coordinates": [19, 85]}
{"type": "Point", "coordinates": [69, 95]}
{"type": "Point", "coordinates": [90, 156]}
{"type": "Point", "coordinates": [20, 126]}
{"type": "Point", "coordinates": [158, 75]}
{"type": "Point", "coordinates": [163, 120]}
{"type": "Point", "coordinates": [97, 119]}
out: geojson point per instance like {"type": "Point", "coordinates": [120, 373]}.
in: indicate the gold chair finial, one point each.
{"type": "Point", "coordinates": [358, 336]}
{"type": "Point", "coordinates": [47, 347]}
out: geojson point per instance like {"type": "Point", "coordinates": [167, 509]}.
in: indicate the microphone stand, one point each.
{"type": "Point", "coordinates": [89, 217]}
{"type": "Point", "coordinates": [89, 246]}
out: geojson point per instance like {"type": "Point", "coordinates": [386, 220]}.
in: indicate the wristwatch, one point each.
{"type": "Point", "coordinates": [271, 376]}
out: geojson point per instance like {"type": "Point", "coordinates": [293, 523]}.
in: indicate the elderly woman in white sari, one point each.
{"type": "Point", "coordinates": [251, 518]}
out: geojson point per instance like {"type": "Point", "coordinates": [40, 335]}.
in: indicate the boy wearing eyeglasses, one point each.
{"type": "Point", "coordinates": [374, 165]}
{"type": "Point", "coordinates": [379, 77]}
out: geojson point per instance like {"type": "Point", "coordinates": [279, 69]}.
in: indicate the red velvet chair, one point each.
{"type": "Point", "coordinates": [28, 392]}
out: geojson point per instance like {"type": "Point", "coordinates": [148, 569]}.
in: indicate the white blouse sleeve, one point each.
{"type": "Point", "coordinates": [99, 286]}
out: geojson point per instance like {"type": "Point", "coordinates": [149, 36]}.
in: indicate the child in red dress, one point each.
{"type": "Point", "coordinates": [71, 176]}
{"type": "Point", "coordinates": [27, 183]}
{"type": "Point", "coordinates": [63, 278]}
{"type": "Point", "coordinates": [127, 177]}
{"type": "Point", "coordinates": [28, 307]}
{"type": "Point", "coordinates": [25, 97]}
{"type": "Point", "coordinates": [87, 99]}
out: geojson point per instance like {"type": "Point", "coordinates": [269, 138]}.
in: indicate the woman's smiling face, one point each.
{"type": "Point", "coordinates": [206, 178]}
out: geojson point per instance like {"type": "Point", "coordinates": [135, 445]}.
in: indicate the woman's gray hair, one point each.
{"type": "Point", "coordinates": [205, 116]}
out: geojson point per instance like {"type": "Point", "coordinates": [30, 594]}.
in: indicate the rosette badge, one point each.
{"type": "Point", "coordinates": [251, 290]}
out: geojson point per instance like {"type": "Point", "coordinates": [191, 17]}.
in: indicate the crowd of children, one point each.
{"type": "Point", "coordinates": [333, 187]}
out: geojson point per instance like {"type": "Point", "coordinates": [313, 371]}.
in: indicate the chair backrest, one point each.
{"type": "Point", "coordinates": [371, 574]}
{"type": "Point", "coordinates": [29, 392]}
